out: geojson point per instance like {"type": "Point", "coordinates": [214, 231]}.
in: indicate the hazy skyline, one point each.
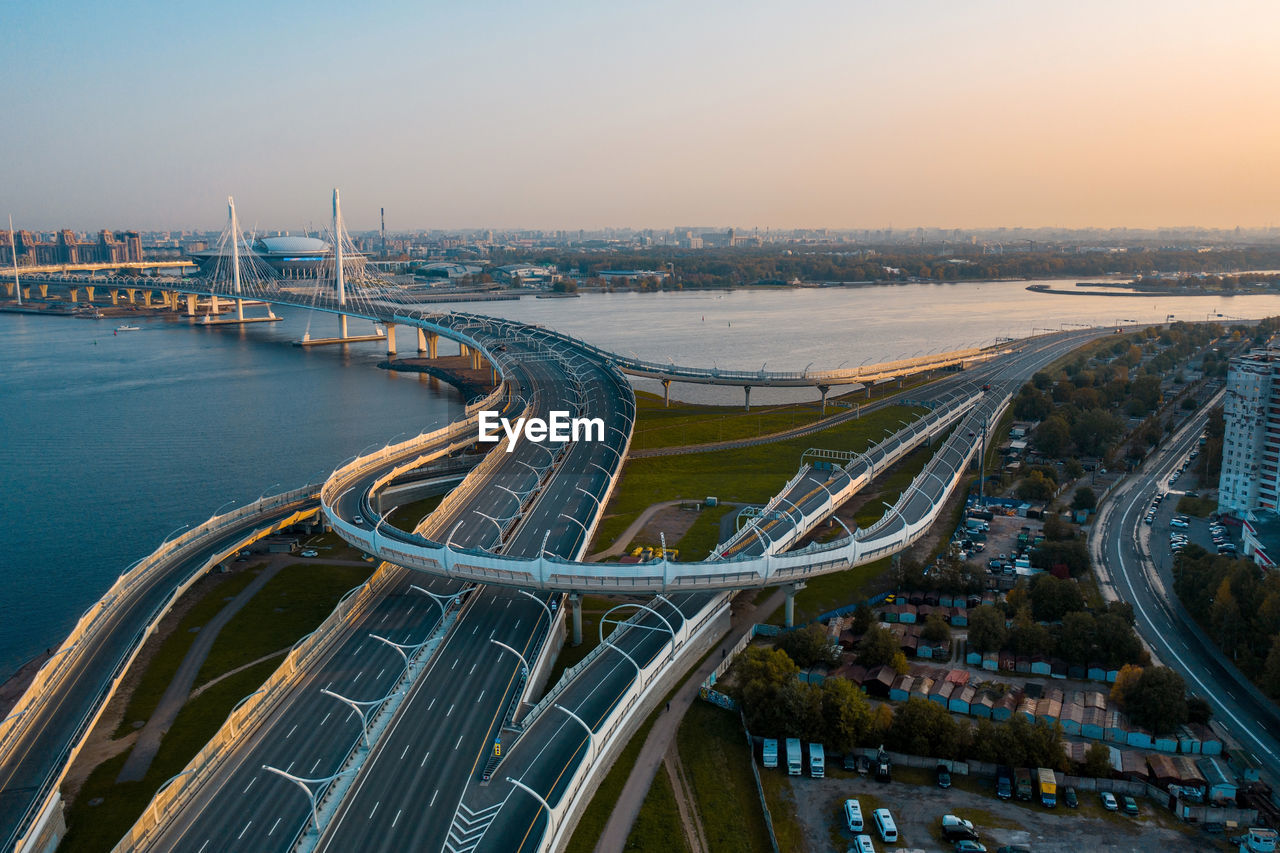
{"type": "Point", "coordinates": [569, 115]}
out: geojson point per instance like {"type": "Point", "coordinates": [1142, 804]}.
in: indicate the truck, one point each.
{"type": "Point", "coordinates": [1022, 783]}
{"type": "Point", "coordinates": [817, 761]}
{"type": "Point", "coordinates": [770, 752]}
{"type": "Point", "coordinates": [1048, 787]}
{"type": "Point", "coordinates": [795, 764]}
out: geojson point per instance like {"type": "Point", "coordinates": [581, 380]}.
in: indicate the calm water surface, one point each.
{"type": "Point", "coordinates": [108, 443]}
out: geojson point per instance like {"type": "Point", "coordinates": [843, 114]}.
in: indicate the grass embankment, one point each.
{"type": "Point", "coordinates": [215, 591]}
{"type": "Point", "coordinates": [657, 827]}
{"type": "Point", "coordinates": [409, 516]}
{"type": "Point", "coordinates": [289, 606]}
{"type": "Point", "coordinates": [1199, 507]}
{"type": "Point", "coordinates": [685, 423]}
{"type": "Point", "coordinates": [704, 535]}
{"type": "Point", "coordinates": [746, 475]}
{"type": "Point", "coordinates": [593, 607]}
{"type": "Point", "coordinates": [717, 760]}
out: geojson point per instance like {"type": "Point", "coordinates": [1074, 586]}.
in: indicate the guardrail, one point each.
{"type": "Point", "coordinates": [86, 630]}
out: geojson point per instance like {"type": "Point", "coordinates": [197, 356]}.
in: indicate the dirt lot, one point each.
{"type": "Point", "coordinates": [917, 805]}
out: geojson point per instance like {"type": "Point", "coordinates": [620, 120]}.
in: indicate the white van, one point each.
{"type": "Point", "coordinates": [884, 824]}
{"type": "Point", "coordinates": [853, 815]}
{"type": "Point", "coordinates": [862, 844]}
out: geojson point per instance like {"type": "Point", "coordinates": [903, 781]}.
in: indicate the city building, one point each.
{"type": "Point", "coordinates": [288, 257]}
{"type": "Point", "coordinates": [1250, 476]}
{"type": "Point", "coordinates": [111, 247]}
{"type": "Point", "coordinates": [1261, 534]}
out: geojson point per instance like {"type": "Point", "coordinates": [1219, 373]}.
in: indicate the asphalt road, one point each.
{"type": "Point", "coordinates": [1123, 546]}
{"type": "Point", "coordinates": [44, 742]}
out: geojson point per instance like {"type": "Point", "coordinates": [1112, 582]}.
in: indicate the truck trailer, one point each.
{"type": "Point", "coordinates": [770, 754]}
{"type": "Point", "coordinates": [817, 761]}
{"type": "Point", "coordinates": [1048, 787]}
{"type": "Point", "coordinates": [795, 760]}
{"type": "Point", "coordinates": [1022, 783]}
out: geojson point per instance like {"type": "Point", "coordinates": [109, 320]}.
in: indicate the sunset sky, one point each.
{"type": "Point", "coordinates": [576, 114]}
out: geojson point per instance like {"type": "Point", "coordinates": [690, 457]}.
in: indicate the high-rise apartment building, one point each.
{"type": "Point", "coordinates": [1250, 476]}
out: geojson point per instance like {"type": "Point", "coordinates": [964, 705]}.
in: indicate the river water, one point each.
{"type": "Point", "coordinates": [108, 443]}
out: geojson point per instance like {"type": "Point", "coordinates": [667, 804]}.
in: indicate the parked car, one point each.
{"type": "Point", "coordinates": [1069, 795]}
{"type": "Point", "coordinates": [970, 847]}
{"type": "Point", "coordinates": [957, 829]}
{"type": "Point", "coordinates": [1131, 806]}
{"type": "Point", "coordinates": [849, 762]}
{"type": "Point", "coordinates": [1109, 801]}
{"type": "Point", "coordinates": [359, 519]}
{"type": "Point", "coordinates": [310, 553]}
{"type": "Point", "coordinates": [944, 776]}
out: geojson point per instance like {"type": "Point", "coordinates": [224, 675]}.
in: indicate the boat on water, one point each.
{"type": "Point", "coordinates": [128, 328]}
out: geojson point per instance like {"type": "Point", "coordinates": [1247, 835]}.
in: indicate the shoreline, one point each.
{"type": "Point", "coordinates": [1163, 294]}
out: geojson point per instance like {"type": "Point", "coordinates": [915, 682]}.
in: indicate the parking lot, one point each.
{"type": "Point", "coordinates": [917, 806]}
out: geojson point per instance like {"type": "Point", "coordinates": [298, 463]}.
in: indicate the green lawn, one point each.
{"type": "Point", "coordinates": [827, 592]}
{"type": "Point", "coordinates": [409, 516]}
{"type": "Point", "coordinates": [686, 423]}
{"type": "Point", "coordinates": [715, 755]}
{"type": "Point", "coordinates": [1199, 507]}
{"type": "Point", "coordinates": [657, 828]}
{"type": "Point", "coordinates": [593, 607]}
{"type": "Point", "coordinates": [97, 828]}
{"type": "Point", "coordinates": [289, 606]}
{"type": "Point", "coordinates": [213, 591]}
{"type": "Point", "coordinates": [699, 540]}
{"type": "Point", "coordinates": [746, 475]}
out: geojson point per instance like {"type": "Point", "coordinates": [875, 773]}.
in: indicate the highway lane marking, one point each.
{"type": "Point", "coordinates": [458, 744]}
{"type": "Point", "coordinates": [384, 618]}
{"type": "Point", "coordinates": [202, 846]}
{"type": "Point", "coordinates": [455, 664]}
{"type": "Point", "coordinates": [326, 718]}
{"type": "Point", "coordinates": [357, 678]}
{"type": "Point", "coordinates": [433, 703]}
{"type": "Point", "coordinates": [273, 826]}
{"type": "Point", "coordinates": [473, 630]}
{"type": "Point", "coordinates": [481, 696]}
{"type": "Point", "coordinates": [290, 767]}
{"type": "Point", "coordinates": [291, 731]}
{"type": "Point", "coordinates": [384, 669]}
{"type": "Point", "coordinates": [243, 831]}
{"type": "Point", "coordinates": [473, 669]}
{"type": "Point", "coordinates": [508, 602]}
{"type": "Point", "coordinates": [250, 785]}
{"type": "Point", "coordinates": [406, 752]}
{"type": "Point", "coordinates": [424, 760]}
{"type": "Point", "coordinates": [516, 627]}
{"type": "Point", "coordinates": [314, 766]}
{"type": "Point", "coordinates": [396, 818]}
{"type": "Point", "coordinates": [433, 796]}
{"type": "Point", "coordinates": [375, 808]}
{"type": "Point", "coordinates": [450, 711]}
{"type": "Point", "coordinates": [495, 630]}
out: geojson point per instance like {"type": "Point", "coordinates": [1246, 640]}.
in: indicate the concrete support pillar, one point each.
{"type": "Point", "coordinates": [391, 340]}
{"type": "Point", "coordinates": [88, 288]}
{"type": "Point", "coordinates": [747, 394]}
{"type": "Point", "coordinates": [342, 325]}
{"type": "Point", "coordinates": [477, 360]}
{"type": "Point", "coordinates": [493, 376]}
{"type": "Point", "coordinates": [26, 293]}
{"type": "Point", "coordinates": [191, 305]}
{"type": "Point", "coordinates": [790, 611]}
{"type": "Point", "coordinates": [422, 341]}
{"type": "Point", "coordinates": [115, 296]}
{"type": "Point", "coordinates": [666, 393]}
{"type": "Point", "coordinates": [44, 291]}
{"type": "Point", "coordinates": [868, 387]}
{"type": "Point", "coordinates": [824, 389]}
{"type": "Point", "coordinates": [146, 298]}
{"type": "Point", "coordinates": [8, 288]}
{"type": "Point", "coordinates": [433, 346]}
{"type": "Point", "coordinates": [463, 349]}
{"type": "Point", "coordinates": [575, 602]}
{"type": "Point", "coordinates": [215, 307]}
{"type": "Point", "coordinates": [132, 294]}
{"type": "Point", "coordinates": [75, 294]}
{"type": "Point", "coordinates": [239, 309]}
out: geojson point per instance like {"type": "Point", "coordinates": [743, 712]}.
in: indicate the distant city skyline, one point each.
{"type": "Point", "coordinates": [562, 117]}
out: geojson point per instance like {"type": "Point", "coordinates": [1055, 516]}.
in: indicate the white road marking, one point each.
{"type": "Point", "coordinates": [433, 798]}
{"type": "Point", "coordinates": [202, 846]}
{"type": "Point", "coordinates": [406, 752]}
{"type": "Point", "coordinates": [384, 669]}
{"type": "Point", "coordinates": [291, 731]}
{"type": "Point", "coordinates": [375, 808]}
{"type": "Point", "coordinates": [424, 759]}
{"type": "Point", "coordinates": [314, 766]}
{"type": "Point", "coordinates": [250, 785]}
{"type": "Point", "coordinates": [450, 711]}
{"type": "Point", "coordinates": [433, 703]}
{"type": "Point", "coordinates": [458, 744]}
{"type": "Point", "coordinates": [481, 696]}
{"type": "Point", "coordinates": [326, 718]}
{"type": "Point", "coordinates": [473, 630]}
{"type": "Point", "coordinates": [517, 625]}
{"type": "Point", "coordinates": [273, 826]}
{"type": "Point", "coordinates": [396, 818]}
{"type": "Point", "coordinates": [357, 678]}
{"type": "Point", "coordinates": [473, 669]}
{"type": "Point", "coordinates": [243, 831]}
{"type": "Point", "coordinates": [455, 664]}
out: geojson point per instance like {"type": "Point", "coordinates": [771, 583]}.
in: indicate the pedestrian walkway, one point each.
{"type": "Point", "coordinates": [662, 735]}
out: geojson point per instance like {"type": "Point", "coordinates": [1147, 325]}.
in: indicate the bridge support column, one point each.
{"type": "Point", "coordinates": [74, 294]}
{"type": "Point", "coordinates": [433, 346]}
{"type": "Point", "coordinates": [666, 393]}
{"type": "Point", "coordinates": [790, 611]}
{"type": "Point", "coordinates": [422, 341]}
{"type": "Point", "coordinates": [132, 294]}
{"type": "Point", "coordinates": [115, 296]}
{"type": "Point", "coordinates": [146, 298]}
{"type": "Point", "coordinates": [463, 349]}
{"type": "Point", "coordinates": [575, 603]}
{"type": "Point", "coordinates": [8, 288]}
{"type": "Point", "coordinates": [342, 325]}
{"type": "Point", "coordinates": [868, 387]}
{"type": "Point", "coordinates": [88, 288]}
{"type": "Point", "coordinates": [44, 291]}
{"type": "Point", "coordinates": [825, 389]}
{"type": "Point", "coordinates": [477, 360]}
{"type": "Point", "coordinates": [26, 293]}
{"type": "Point", "coordinates": [191, 305]}
{"type": "Point", "coordinates": [239, 309]}
{"type": "Point", "coordinates": [747, 395]}
{"type": "Point", "coordinates": [391, 340]}
{"type": "Point", "coordinates": [493, 376]}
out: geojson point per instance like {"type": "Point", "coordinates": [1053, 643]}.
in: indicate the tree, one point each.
{"type": "Point", "coordinates": [987, 631]}
{"type": "Point", "coordinates": [1094, 430]}
{"type": "Point", "coordinates": [1158, 700]}
{"type": "Point", "coordinates": [921, 727]}
{"type": "Point", "coordinates": [1125, 680]}
{"type": "Point", "coordinates": [1036, 487]}
{"type": "Point", "coordinates": [877, 647]}
{"type": "Point", "coordinates": [1097, 760]}
{"type": "Point", "coordinates": [862, 619]}
{"type": "Point", "coordinates": [1052, 598]}
{"type": "Point", "coordinates": [846, 715]}
{"type": "Point", "coordinates": [1084, 499]}
{"type": "Point", "coordinates": [808, 646]}
{"type": "Point", "coordinates": [1075, 641]}
{"type": "Point", "coordinates": [936, 629]}
{"type": "Point", "coordinates": [1052, 437]}
{"type": "Point", "coordinates": [1270, 682]}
